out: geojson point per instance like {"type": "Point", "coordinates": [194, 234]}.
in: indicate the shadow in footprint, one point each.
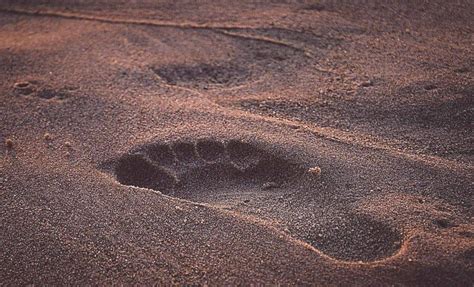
{"type": "Point", "coordinates": [161, 153]}
{"type": "Point", "coordinates": [185, 152]}
{"type": "Point", "coordinates": [210, 150]}
{"type": "Point", "coordinates": [242, 155]}
{"type": "Point", "coordinates": [190, 169]}
{"type": "Point", "coordinates": [135, 170]}
{"type": "Point", "coordinates": [225, 74]}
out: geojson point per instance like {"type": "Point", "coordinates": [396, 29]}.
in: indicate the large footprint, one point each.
{"type": "Point", "coordinates": [231, 171]}
{"type": "Point", "coordinates": [183, 168]}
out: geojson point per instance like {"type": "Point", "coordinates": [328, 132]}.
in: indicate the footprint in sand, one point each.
{"type": "Point", "coordinates": [203, 75]}
{"type": "Point", "coordinates": [214, 172]}
{"type": "Point", "coordinates": [182, 169]}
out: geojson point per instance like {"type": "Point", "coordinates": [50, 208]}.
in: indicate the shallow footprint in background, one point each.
{"type": "Point", "coordinates": [203, 75]}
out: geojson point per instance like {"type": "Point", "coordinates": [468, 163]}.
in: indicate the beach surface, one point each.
{"type": "Point", "coordinates": [236, 143]}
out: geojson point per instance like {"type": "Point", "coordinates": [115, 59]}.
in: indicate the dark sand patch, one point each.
{"type": "Point", "coordinates": [203, 74]}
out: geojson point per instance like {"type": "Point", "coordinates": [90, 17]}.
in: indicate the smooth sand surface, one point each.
{"type": "Point", "coordinates": [236, 142]}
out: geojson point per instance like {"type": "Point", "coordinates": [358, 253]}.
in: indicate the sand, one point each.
{"type": "Point", "coordinates": [216, 142]}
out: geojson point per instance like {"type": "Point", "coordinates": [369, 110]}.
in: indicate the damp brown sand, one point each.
{"type": "Point", "coordinates": [312, 143]}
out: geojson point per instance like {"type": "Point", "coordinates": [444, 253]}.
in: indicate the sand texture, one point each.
{"type": "Point", "coordinates": [237, 142]}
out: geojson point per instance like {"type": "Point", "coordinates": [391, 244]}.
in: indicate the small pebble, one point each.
{"type": "Point", "coordinates": [47, 136]}
{"type": "Point", "coordinates": [315, 170]}
{"type": "Point", "coordinates": [9, 143]}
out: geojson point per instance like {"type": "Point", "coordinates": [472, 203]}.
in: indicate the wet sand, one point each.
{"type": "Point", "coordinates": [296, 143]}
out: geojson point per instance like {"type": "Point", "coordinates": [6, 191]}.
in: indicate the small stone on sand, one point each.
{"type": "Point", "coordinates": [315, 170]}
{"type": "Point", "coordinates": [367, 84]}
{"type": "Point", "coordinates": [9, 143]}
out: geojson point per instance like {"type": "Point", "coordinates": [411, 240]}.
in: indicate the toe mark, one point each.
{"type": "Point", "coordinates": [242, 154]}
{"type": "Point", "coordinates": [161, 154]}
{"type": "Point", "coordinates": [210, 150]}
{"type": "Point", "coordinates": [185, 152]}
